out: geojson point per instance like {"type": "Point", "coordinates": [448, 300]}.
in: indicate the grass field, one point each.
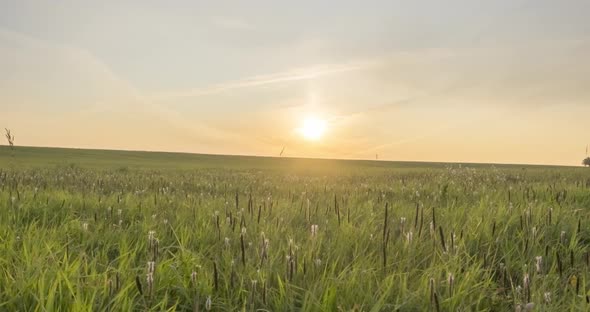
{"type": "Point", "coordinates": [89, 230]}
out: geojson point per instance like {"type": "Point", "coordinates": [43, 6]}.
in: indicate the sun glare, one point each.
{"type": "Point", "coordinates": [313, 128]}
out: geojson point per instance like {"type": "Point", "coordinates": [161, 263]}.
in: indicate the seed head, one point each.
{"type": "Point", "coordinates": [314, 229]}
{"type": "Point", "coordinates": [151, 266]}
{"type": "Point", "coordinates": [151, 236]}
{"type": "Point", "coordinates": [208, 303]}
{"type": "Point", "coordinates": [451, 279]}
{"type": "Point", "coordinates": [539, 263]}
{"type": "Point", "coordinates": [526, 281]}
{"type": "Point", "coordinates": [547, 297]}
{"type": "Point", "coordinates": [409, 237]}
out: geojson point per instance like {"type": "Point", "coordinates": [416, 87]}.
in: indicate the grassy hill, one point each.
{"type": "Point", "coordinates": [36, 157]}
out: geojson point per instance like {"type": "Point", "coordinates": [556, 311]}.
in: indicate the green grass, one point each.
{"type": "Point", "coordinates": [74, 228]}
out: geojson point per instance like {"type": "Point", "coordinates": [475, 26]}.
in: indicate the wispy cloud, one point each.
{"type": "Point", "coordinates": [300, 74]}
{"type": "Point", "coordinates": [62, 75]}
{"type": "Point", "coordinates": [231, 23]}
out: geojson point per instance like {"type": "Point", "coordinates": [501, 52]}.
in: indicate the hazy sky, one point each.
{"type": "Point", "coordinates": [477, 81]}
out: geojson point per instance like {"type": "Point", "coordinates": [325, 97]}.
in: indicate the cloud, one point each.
{"type": "Point", "coordinates": [231, 23]}
{"type": "Point", "coordinates": [40, 74]}
{"type": "Point", "coordinates": [299, 74]}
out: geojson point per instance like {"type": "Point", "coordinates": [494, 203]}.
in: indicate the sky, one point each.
{"type": "Point", "coordinates": [451, 81]}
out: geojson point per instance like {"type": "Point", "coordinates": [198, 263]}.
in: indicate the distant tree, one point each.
{"type": "Point", "coordinates": [586, 162]}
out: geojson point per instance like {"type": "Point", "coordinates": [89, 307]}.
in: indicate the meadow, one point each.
{"type": "Point", "coordinates": [89, 230]}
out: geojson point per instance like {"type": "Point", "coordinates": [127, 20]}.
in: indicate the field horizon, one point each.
{"type": "Point", "coordinates": [43, 155]}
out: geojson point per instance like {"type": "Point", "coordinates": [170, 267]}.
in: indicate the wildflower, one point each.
{"type": "Point", "coordinates": [318, 262]}
{"type": "Point", "coordinates": [85, 226]}
{"type": "Point", "coordinates": [562, 237]}
{"type": "Point", "coordinates": [227, 242]}
{"type": "Point", "coordinates": [243, 230]}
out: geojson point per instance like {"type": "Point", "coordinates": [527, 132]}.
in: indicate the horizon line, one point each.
{"type": "Point", "coordinates": [295, 157]}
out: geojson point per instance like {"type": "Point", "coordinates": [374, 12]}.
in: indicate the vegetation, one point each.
{"type": "Point", "coordinates": [119, 231]}
{"type": "Point", "coordinates": [586, 162]}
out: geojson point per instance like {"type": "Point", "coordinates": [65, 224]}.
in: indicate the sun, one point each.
{"type": "Point", "coordinates": [313, 128]}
